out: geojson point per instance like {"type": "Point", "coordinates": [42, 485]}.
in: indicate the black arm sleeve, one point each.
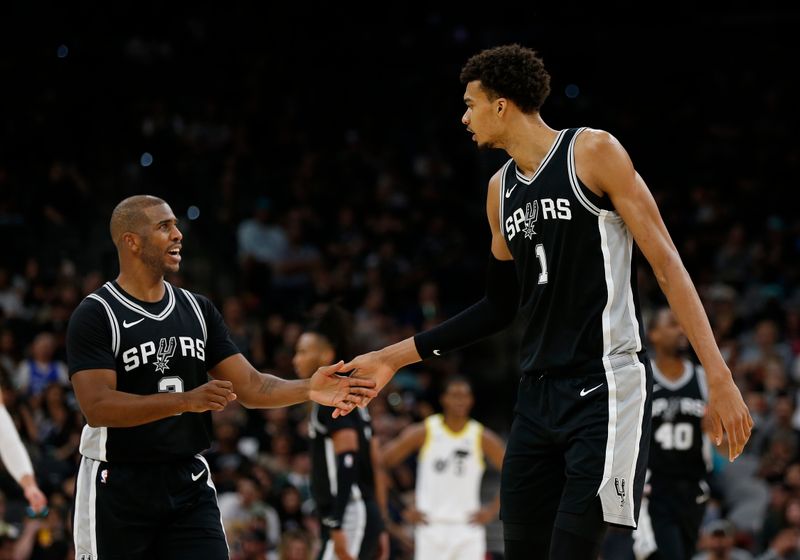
{"type": "Point", "coordinates": [346, 476]}
{"type": "Point", "coordinates": [493, 313]}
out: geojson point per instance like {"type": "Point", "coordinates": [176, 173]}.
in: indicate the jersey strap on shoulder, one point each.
{"type": "Point", "coordinates": [112, 319]}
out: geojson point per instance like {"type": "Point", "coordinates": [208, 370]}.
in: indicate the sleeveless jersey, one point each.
{"type": "Point", "coordinates": [167, 346]}
{"type": "Point", "coordinates": [573, 256]}
{"type": "Point", "coordinates": [679, 448]}
{"type": "Point", "coordinates": [324, 481]}
{"type": "Point", "coordinates": [450, 467]}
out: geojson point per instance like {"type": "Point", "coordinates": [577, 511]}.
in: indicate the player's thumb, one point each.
{"type": "Point", "coordinates": [333, 368]}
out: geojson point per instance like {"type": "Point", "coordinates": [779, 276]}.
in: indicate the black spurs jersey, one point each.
{"type": "Point", "coordinates": [167, 346]}
{"type": "Point", "coordinates": [573, 257]}
{"type": "Point", "coordinates": [679, 448]}
{"type": "Point", "coordinates": [321, 427]}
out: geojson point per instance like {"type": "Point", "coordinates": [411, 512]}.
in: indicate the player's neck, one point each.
{"type": "Point", "coordinates": [670, 366]}
{"type": "Point", "coordinates": [528, 141]}
{"type": "Point", "coordinates": [143, 286]}
{"type": "Point", "coordinates": [455, 424]}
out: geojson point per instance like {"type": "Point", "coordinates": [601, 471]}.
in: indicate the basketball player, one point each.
{"type": "Point", "coordinates": [343, 482]}
{"type": "Point", "coordinates": [564, 213]}
{"type": "Point", "coordinates": [680, 453]}
{"type": "Point", "coordinates": [18, 463]}
{"type": "Point", "coordinates": [452, 450]}
{"type": "Point", "coordinates": [139, 351]}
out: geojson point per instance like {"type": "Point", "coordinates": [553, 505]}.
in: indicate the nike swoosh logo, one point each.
{"type": "Point", "coordinates": [584, 392]}
{"type": "Point", "coordinates": [437, 353]}
{"type": "Point", "coordinates": [128, 325]}
{"type": "Point", "coordinates": [198, 475]}
{"type": "Point", "coordinates": [509, 191]}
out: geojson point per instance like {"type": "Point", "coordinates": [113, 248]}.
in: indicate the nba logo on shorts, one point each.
{"type": "Point", "coordinates": [103, 479]}
{"type": "Point", "coordinates": [619, 484]}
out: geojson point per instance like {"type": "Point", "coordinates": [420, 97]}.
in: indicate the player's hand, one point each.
{"type": "Point", "coordinates": [340, 545]}
{"type": "Point", "coordinates": [414, 516]}
{"type": "Point", "coordinates": [727, 412]}
{"type": "Point", "coordinates": [369, 366]}
{"type": "Point", "coordinates": [345, 393]}
{"type": "Point", "coordinates": [483, 516]}
{"type": "Point", "coordinates": [214, 395]}
{"type": "Point", "coordinates": [36, 499]}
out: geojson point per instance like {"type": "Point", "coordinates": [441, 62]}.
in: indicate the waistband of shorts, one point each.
{"type": "Point", "coordinates": [590, 367]}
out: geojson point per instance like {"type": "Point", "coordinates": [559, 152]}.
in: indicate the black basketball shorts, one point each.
{"type": "Point", "coordinates": [577, 436]}
{"type": "Point", "coordinates": [133, 511]}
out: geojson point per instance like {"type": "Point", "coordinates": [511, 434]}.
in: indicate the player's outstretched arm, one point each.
{"type": "Point", "coordinates": [604, 164]}
{"type": "Point", "coordinates": [496, 311]}
{"type": "Point", "coordinates": [17, 462]}
{"type": "Point", "coordinates": [263, 390]}
{"type": "Point", "coordinates": [103, 405]}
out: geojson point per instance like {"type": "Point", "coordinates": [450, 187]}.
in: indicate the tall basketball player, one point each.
{"type": "Point", "coordinates": [140, 352]}
{"type": "Point", "coordinates": [452, 452]}
{"type": "Point", "coordinates": [680, 453]}
{"type": "Point", "coordinates": [564, 213]}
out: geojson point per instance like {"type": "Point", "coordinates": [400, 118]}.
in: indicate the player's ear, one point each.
{"type": "Point", "coordinates": [501, 104]}
{"type": "Point", "coordinates": [131, 241]}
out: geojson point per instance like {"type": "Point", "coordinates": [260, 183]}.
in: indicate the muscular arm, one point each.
{"type": "Point", "coordinates": [103, 405]}
{"type": "Point", "coordinates": [409, 441]}
{"type": "Point", "coordinates": [259, 390]}
{"type": "Point", "coordinates": [605, 167]}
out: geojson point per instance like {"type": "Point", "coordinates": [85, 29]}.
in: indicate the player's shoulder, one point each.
{"type": "Point", "coordinates": [91, 307]}
{"type": "Point", "coordinates": [595, 141]}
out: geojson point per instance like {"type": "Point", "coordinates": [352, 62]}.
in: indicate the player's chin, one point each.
{"type": "Point", "coordinates": [172, 267]}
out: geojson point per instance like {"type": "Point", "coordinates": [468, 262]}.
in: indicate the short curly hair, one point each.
{"type": "Point", "coordinates": [511, 71]}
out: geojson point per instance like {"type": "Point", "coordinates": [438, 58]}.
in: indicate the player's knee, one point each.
{"type": "Point", "coordinates": [588, 525]}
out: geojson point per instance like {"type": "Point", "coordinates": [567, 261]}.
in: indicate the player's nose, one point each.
{"type": "Point", "coordinates": [465, 118]}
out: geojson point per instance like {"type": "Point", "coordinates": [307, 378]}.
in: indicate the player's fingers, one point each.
{"type": "Point", "coordinates": [232, 396]}
{"type": "Point", "coordinates": [361, 382]}
{"type": "Point", "coordinates": [221, 383]}
{"type": "Point", "coordinates": [363, 391]}
{"type": "Point", "coordinates": [716, 428]}
{"type": "Point", "coordinates": [365, 402]}
{"type": "Point", "coordinates": [211, 405]}
{"type": "Point", "coordinates": [344, 406]}
{"type": "Point", "coordinates": [333, 368]}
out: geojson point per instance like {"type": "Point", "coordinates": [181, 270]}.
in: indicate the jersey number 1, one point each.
{"type": "Point", "coordinates": [542, 262]}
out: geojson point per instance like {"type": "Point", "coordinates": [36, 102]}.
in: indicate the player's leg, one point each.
{"type": "Point", "coordinates": [532, 477]}
{"type": "Point", "coordinates": [116, 512]}
{"type": "Point", "coordinates": [195, 529]}
{"type": "Point", "coordinates": [470, 542]}
{"type": "Point", "coordinates": [431, 542]}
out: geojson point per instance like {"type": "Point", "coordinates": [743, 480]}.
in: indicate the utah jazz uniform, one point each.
{"type": "Point", "coordinates": [144, 491]}
{"type": "Point", "coordinates": [362, 522]}
{"type": "Point", "coordinates": [582, 420]}
{"type": "Point", "coordinates": [680, 459]}
{"type": "Point", "coordinates": [450, 467]}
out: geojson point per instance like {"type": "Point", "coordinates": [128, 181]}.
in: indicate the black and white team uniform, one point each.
{"type": "Point", "coordinates": [361, 521]}
{"type": "Point", "coordinates": [582, 419]}
{"type": "Point", "coordinates": [145, 491]}
{"type": "Point", "coordinates": [680, 460]}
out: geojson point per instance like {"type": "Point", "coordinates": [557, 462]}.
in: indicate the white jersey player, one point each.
{"type": "Point", "coordinates": [452, 449]}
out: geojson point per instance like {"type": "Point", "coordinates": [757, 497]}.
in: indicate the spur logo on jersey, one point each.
{"type": "Point", "coordinates": [619, 485]}
{"type": "Point", "coordinates": [165, 352]}
{"type": "Point", "coordinates": [524, 220]}
{"type": "Point", "coordinates": [144, 353]}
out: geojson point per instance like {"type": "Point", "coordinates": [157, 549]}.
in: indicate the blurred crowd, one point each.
{"type": "Point", "coordinates": [285, 204]}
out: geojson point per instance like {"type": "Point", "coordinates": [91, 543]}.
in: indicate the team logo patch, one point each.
{"type": "Point", "coordinates": [619, 484]}
{"type": "Point", "coordinates": [165, 351]}
{"type": "Point", "coordinates": [531, 215]}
